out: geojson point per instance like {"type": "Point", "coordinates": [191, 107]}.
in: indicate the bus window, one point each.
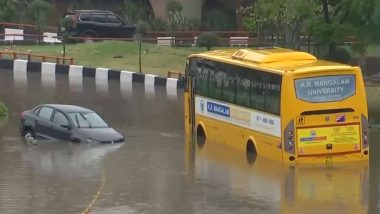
{"type": "Point", "coordinates": [272, 94]}
{"type": "Point", "coordinates": [243, 87]}
{"type": "Point", "coordinates": [202, 80]}
{"type": "Point", "coordinates": [257, 98]}
{"type": "Point", "coordinates": [215, 81]}
{"type": "Point", "coordinates": [229, 85]}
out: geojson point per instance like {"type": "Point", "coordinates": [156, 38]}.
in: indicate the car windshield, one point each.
{"type": "Point", "coordinates": [87, 120]}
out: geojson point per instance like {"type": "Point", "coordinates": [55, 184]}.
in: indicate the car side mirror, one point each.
{"type": "Point", "coordinates": [68, 127]}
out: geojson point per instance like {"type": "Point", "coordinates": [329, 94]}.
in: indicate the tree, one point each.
{"type": "Point", "coordinates": [280, 19]}
{"type": "Point", "coordinates": [82, 5]}
{"type": "Point", "coordinates": [174, 10]}
{"type": "Point", "coordinates": [7, 10]}
{"type": "Point", "coordinates": [38, 11]}
{"type": "Point", "coordinates": [341, 20]}
{"type": "Point", "coordinates": [376, 19]}
{"type": "Point", "coordinates": [219, 20]}
{"type": "Point", "coordinates": [67, 24]}
{"type": "Point", "coordinates": [208, 40]}
{"type": "Point", "coordinates": [329, 22]}
{"type": "Point", "coordinates": [134, 11]}
{"type": "Point", "coordinates": [141, 31]}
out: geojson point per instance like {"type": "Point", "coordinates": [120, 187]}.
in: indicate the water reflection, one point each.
{"type": "Point", "coordinates": [281, 188]}
{"type": "Point", "coordinates": [67, 159]}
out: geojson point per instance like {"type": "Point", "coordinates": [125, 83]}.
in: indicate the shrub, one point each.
{"type": "Point", "coordinates": [158, 24]}
{"type": "Point", "coordinates": [3, 110]}
{"type": "Point", "coordinates": [208, 40]}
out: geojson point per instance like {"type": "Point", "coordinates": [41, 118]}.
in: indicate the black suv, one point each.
{"type": "Point", "coordinates": [97, 24]}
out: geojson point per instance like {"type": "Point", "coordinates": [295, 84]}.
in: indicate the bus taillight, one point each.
{"type": "Point", "coordinates": [365, 128]}
{"type": "Point", "coordinates": [289, 141]}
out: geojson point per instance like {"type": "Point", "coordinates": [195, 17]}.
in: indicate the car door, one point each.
{"type": "Point", "coordinates": [43, 123]}
{"type": "Point", "coordinates": [101, 26]}
{"type": "Point", "coordinates": [115, 26]}
{"type": "Point", "coordinates": [61, 126]}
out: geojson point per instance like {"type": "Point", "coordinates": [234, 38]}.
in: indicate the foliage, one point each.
{"type": "Point", "coordinates": [329, 22]}
{"type": "Point", "coordinates": [38, 11]}
{"type": "Point", "coordinates": [134, 11]}
{"type": "Point", "coordinates": [142, 29]}
{"type": "Point", "coordinates": [67, 23]}
{"type": "Point", "coordinates": [340, 55]}
{"type": "Point", "coordinates": [341, 20]}
{"type": "Point", "coordinates": [174, 10]}
{"type": "Point", "coordinates": [158, 24]}
{"type": "Point", "coordinates": [175, 18]}
{"type": "Point", "coordinates": [376, 19]}
{"type": "Point", "coordinates": [191, 24]}
{"type": "Point", "coordinates": [7, 10]}
{"type": "Point", "coordinates": [3, 110]}
{"type": "Point", "coordinates": [219, 20]}
{"type": "Point", "coordinates": [282, 19]}
{"type": "Point", "coordinates": [82, 5]}
{"type": "Point", "coordinates": [208, 40]}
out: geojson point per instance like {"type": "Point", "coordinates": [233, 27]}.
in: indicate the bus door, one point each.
{"type": "Point", "coordinates": [189, 99]}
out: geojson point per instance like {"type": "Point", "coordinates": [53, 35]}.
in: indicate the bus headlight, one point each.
{"type": "Point", "coordinates": [289, 145]}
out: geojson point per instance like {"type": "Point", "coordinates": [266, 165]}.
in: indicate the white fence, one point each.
{"type": "Point", "coordinates": [11, 34]}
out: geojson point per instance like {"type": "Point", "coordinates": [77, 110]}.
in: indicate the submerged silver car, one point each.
{"type": "Point", "coordinates": [67, 123]}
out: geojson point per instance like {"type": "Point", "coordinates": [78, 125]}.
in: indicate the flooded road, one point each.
{"type": "Point", "coordinates": [155, 171]}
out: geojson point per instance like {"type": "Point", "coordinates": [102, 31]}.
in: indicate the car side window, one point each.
{"type": "Point", "coordinates": [100, 18]}
{"type": "Point", "coordinates": [113, 19]}
{"type": "Point", "coordinates": [45, 112]}
{"type": "Point", "coordinates": [84, 17]}
{"type": "Point", "coordinates": [36, 111]}
{"type": "Point", "coordinates": [60, 118]}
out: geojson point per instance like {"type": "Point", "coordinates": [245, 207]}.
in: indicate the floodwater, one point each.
{"type": "Point", "coordinates": [156, 170]}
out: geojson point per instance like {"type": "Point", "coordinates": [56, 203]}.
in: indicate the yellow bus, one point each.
{"type": "Point", "coordinates": [277, 103]}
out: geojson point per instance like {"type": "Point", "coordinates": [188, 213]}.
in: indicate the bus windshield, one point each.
{"type": "Point", "coordinates": [325, 88]}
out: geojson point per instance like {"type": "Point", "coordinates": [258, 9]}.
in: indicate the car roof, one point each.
{"type": "Point", "coordinates": [67, 108]}
{"type": "Point", "coordinates": [89, 11]}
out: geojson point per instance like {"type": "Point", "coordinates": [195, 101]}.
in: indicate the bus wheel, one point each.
{"type": "Point", "coordinates": [251, 152]}
{"type": "Point", "coordinates": [201, 137]}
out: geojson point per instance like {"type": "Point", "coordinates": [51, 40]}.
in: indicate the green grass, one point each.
{"type": "Point", "coordinates": [3, 110]}
{"type": "Point", "coordinates": [155, 59]}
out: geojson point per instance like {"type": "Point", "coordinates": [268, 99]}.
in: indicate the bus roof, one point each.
{"type": "Point", "coordinates": [277, 60]}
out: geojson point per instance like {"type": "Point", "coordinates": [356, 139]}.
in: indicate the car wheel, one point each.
{"type": "Point", "coordinates": [89, 35]}
{"type": "Point", "coordinates": [28, 136]}
{"type": "Point", "coordinates": [75, 140]}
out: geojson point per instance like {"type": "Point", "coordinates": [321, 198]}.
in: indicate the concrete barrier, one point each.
{"type": "Point", "coordinates": [76, 73]}
{"type": "Point", "coordinates": [48, 73]}
{"type": "Point", "coordinates": [20, 65]}
{"type": "Point", "coordinates": [171, 83]}
{"type": "Point", "coordinates": [126, 77]}
{"type": "Point", "coordinates": [149, 79]}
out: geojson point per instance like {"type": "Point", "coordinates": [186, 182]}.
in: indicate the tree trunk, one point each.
{"type": "Point", "coordinates": [140, 56]}
{"type": "Point", "coordinates": [326, 15]}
